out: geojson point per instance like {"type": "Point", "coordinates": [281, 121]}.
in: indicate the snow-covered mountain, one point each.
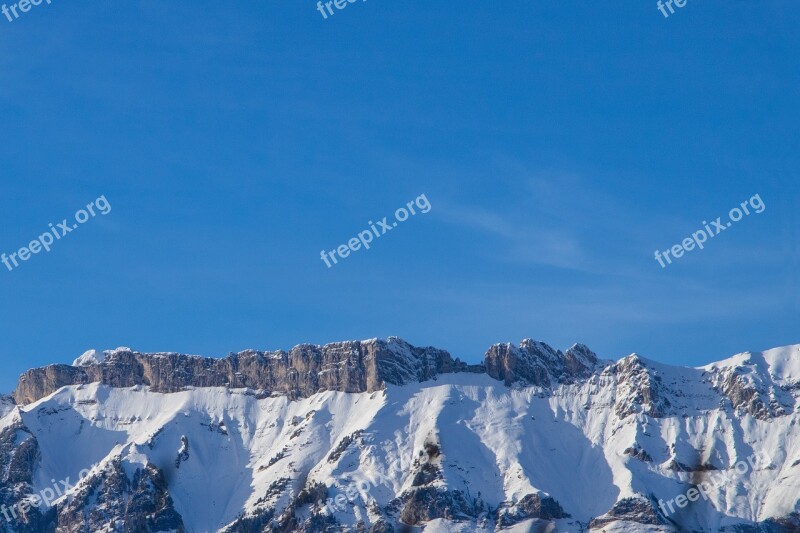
{"type": "Point", "coordinates": [382, 436]}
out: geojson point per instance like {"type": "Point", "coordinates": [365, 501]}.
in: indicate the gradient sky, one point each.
{"type": "Point", "coordinates": [559, 143]}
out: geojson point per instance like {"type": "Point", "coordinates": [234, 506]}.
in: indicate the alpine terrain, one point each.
{"type": "Point", "coordinates": [382, 436]}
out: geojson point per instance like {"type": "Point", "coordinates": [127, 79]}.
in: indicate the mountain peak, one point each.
{"type": "Point", "coordinates": [537, 363]}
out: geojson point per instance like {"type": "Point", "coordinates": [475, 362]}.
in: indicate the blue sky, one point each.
{"type": "Point", "coordinates": [559, 143]}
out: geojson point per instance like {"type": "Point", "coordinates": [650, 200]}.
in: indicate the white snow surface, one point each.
{"type": "Point", "coordinates": [90, 357]}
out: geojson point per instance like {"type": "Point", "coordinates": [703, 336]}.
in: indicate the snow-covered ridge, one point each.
{"type": "Point", "coordinates": [534, 438]}
{"type": "Point", "coordinates": [758, 383]}
{"type": "Point", "coordinates": [95, 357]}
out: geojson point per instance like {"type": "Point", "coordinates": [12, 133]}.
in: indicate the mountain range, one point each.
{"type": "Point", "coordinates": [381, 436]}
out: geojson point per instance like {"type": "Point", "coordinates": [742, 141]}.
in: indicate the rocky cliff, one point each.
{"type": "Point", "coordinates": [368, 366]}
{"type": "Point", "coordinates": [536, 363]}
{"type": "Point", "coordinates": [353, 366]}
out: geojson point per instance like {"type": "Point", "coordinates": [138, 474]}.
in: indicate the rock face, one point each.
{"type": "Point", "coordinates": [141, 502]}
{"type": "Point", "coordinates": [429, 503]}
{"type": "Point", "coordinates": [353, 366]}
{"type": "Point", "coordinates": [19, 456]}
{"type": "Point", "coordinates": [635, 510]}
{"type": "Point", "coordinates": [306, 369]}
{"type": "Point", "coordinates": [640, 390]}
{"type": "Point", "coordinates": [531, 506]}
{"type": "Point", "coordinates": [751, 391]}
{"type": "Point", "coordinates": [7, 405]}
{"type": "Point", "coordinates": [536, 363]}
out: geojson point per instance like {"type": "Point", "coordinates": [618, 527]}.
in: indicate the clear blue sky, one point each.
{"type": "Point", "coordinates": [559, 143]}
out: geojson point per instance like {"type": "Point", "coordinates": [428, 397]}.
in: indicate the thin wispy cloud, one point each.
{"type": "Point", "coordinates": [522, 241]}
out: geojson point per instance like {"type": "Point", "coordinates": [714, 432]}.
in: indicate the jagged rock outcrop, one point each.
{"type": "Point", "coordinates": [140, 504]}
{"type": "Point", "coordinates": [785, 524]}
{"type": "Point", "coordinates": [637, 510]}
{"type": "Point", "coordinates": [353, 366]}
{"type": "Point", "coordinates": [429, 503]}
{"type": "Point", "coordinates": [530, 506]}
{"type": "Point", "coordinates": [639, 389]}
{"type": "Point", "coordinates": [19, 455]}
{"type": "Point", "coordinates": [639, 453]}
{"type": "Point", "coordinates": [750, 391]}
{"type": "Point", "coordinates": [7, 404]}
{"type": "Point", "coordinates": [536, 363]}
{"type": "Point", "coordinates": [183, 452]}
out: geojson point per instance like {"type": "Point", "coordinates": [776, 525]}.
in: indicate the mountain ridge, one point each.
{"type": "Point", "coordinates": [392, 361]}
{"type": "Point", "coordinates": [531, 439]}
{"type": "Point", "coordinates": [369, 365]}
